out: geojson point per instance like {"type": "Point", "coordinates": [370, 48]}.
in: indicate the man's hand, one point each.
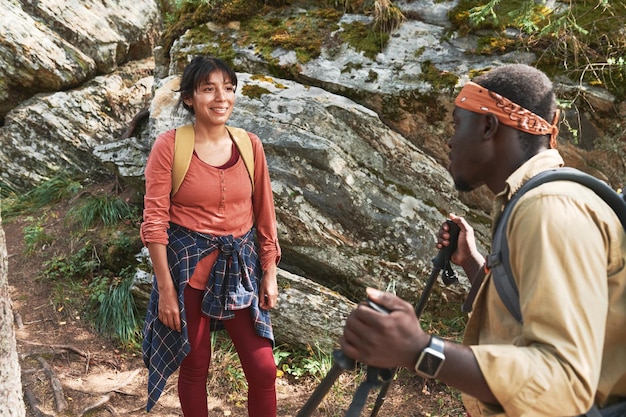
{"type": "Point", "coordinates": [384, 340]}
{"type": "Point", "coordinates": [466, 254]}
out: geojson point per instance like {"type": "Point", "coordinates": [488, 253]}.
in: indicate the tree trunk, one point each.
{"type": "Point", "coordinates": [11, 402]}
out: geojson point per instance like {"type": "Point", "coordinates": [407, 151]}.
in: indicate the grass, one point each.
{"type": "Point", "coordinates": [46, 194]}
{"type": "Point", "coordinates": [112, 308]}
{"type": "Point", "coordinates": [105, 209]}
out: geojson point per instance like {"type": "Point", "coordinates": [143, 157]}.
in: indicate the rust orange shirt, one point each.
{"type": "Point", "coordinates": [210, 200]}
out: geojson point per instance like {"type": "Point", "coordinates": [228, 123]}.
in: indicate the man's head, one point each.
{"type": "Point", "coordinates": [502, 118]}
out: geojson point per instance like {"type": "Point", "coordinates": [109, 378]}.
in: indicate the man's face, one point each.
{"type": "Point", "coordinates": [468, 158]}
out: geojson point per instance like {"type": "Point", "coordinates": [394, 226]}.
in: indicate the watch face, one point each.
{"type": "Point", "coordinates": [430, 361]}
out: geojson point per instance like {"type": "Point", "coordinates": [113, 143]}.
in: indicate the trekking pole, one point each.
{"type": "Point", "coordinates": [440, 262]}
{"type": "Point", "coordinates": [341, 362]}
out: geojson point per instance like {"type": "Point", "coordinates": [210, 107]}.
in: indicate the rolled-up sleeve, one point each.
{"type": "Point", "coordinates": [158, 174]}
{"type": "Point", "coordinates": [264, 210]}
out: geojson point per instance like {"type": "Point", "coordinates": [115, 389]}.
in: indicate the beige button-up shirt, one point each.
{"type": "Point", "coordinates": [567, 251]}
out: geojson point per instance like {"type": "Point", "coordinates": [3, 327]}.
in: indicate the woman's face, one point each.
{"type": "Point", "coordinates": [213, 99]}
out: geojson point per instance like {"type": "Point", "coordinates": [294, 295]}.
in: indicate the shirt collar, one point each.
{"type": "Point", "coordinates": [543, 161]}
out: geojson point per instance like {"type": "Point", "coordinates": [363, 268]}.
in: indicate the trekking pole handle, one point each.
{"type": "Point", "coordinates": [377, 307]}
{"type": "Point", "coordinates": [446, 252]}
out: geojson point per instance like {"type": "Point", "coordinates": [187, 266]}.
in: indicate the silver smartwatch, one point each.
{"type": "Point", "coordinates": [431, 359]}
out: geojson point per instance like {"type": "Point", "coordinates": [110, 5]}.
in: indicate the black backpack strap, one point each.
{"type": "Point", "coordinates": [593, 412]}
{"type": "Point", "coordinates": [498, 259]}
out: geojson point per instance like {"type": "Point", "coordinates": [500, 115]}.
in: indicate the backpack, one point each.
{"type": "Point", "coordinates": [183, 150]}
{"type": "Point", "coordinates": [498, 259]}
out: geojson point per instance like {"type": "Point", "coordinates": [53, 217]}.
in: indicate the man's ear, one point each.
{"type": "Point", "coordinates": [491, 124]}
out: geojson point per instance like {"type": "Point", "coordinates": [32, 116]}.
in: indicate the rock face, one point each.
{"type": "Point", "coordinates": [77, 131]}
{"type": "Point", "coordinates": [360, 190]}
{"type": "Point", "coordinates": [51, 45]}
{"type": "Point", "coordinates": [357, 204]}
{"type": "Point", "coordinates": [11, 396]}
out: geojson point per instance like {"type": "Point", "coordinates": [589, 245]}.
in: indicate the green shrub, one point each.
{"type": "Point", "coordinates": [112, 308]}
{"type": "Point", "coordinates": [101, 209]}
{"type": "Point", "coordinates": [35, 236]}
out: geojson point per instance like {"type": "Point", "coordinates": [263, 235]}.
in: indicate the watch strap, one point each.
{"type": "Point", "coordinates": [436, 343]}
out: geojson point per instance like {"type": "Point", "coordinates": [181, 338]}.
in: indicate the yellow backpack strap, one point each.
{"type": "Point", "coordinates": [244, 145]}
{"type": "Point", "coordinates": [183, 150]}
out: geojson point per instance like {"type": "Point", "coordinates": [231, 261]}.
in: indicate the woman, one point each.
{"type": "Point", "coordinates": [208, 275]}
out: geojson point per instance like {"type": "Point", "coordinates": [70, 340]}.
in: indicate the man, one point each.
{"type": "Point", "coordinates": [567, 256]}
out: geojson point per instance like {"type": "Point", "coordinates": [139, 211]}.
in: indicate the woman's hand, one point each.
{"type": "Point", "coordinates": [169, 312]}
{"type": "Point", "coordinates": [268, 291]}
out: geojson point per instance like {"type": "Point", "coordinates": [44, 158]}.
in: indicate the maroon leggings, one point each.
{"type": "Point", "coordinates": [255, 354]}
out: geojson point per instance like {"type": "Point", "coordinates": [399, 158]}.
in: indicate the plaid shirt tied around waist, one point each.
{"type": "Point", "coordinates": [233, 285]}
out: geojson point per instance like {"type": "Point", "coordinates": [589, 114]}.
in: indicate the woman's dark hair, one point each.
{"type": "Point", "coordinates": [198, 71]}
{"type": "Point", "coordinates": [528, 87]}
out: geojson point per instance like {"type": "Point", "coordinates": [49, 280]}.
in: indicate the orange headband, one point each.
{"type": "Point", "coordinates": [478, 99]}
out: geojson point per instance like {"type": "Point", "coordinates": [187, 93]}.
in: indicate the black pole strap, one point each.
{"type": "Point", "coordinates": [341, 363]}
{"type": "Point", "coordinates": [375, 376]}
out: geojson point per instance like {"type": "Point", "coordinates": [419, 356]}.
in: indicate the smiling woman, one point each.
{"type": "Point", "coordinates": [214, 250]}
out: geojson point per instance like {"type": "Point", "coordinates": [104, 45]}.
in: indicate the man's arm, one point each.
{"type": "Point", "coordinates": [396, 339]}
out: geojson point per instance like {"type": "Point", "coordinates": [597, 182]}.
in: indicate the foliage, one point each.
{"type": "Point", "coordinates": [313, 362]}
{"type": "Point", "coordinates": [109, 303]}
{"type": "Point", "coordinates": [360, 36]}
{"type": "Point", "coordinates": [80, 264]}
{"type": "Point", "coordinates": [105, 209]}
{"type": "Point", "coordinates": [272, 29]}
{"type": "Point", "coordinates": [105, 257]}
{"type": "Point", "coordinates": [6, 191]}
{"type": "Point", "coordinates": [35, 235]}
{"type": "Point", "coordinates": [46, 194]}
{"type": "Point", "coordinates": [179, 16]}
{"type": "Point", "coordinates": [584, 39]}
{"type": "Point", "coordinates": [614, 151]}
{"type": "Point", "coordinates": [387, 16]}
{"type": "Point", "coordinates": [371, 38]}
{"type": "Point", "coordinates": [111, 307]}
{"type": "Point", "coordinates": [300, 33]}
{"type": "Point", "coordinates": [440, 80]}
